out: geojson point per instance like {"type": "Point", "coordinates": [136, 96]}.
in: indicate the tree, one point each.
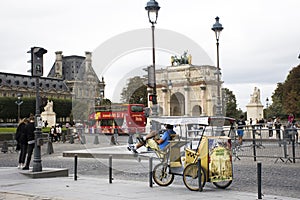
{"type": "Point", "coordinates": [286, 98]}
{"type": "Point", "coordinates": [135, 91]}
{"type": "Point", "coordinates": [230, 104]}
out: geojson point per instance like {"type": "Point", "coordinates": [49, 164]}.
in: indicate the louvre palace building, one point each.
{"type": "Point", "coordinates": [69, 77]}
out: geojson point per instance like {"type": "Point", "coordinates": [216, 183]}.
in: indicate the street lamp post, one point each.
{"type": "Point", "coordinates": [19, 103]}
{"type": "Point", "coordinates": [267, 105]}
{"type": "Point", "coordinates": [217, 28]}
{"type": "Point", "coordinates": [153, 8]}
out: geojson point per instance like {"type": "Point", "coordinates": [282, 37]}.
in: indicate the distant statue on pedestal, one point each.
{"type": "Point", "coordinates": [255, 108]}
{"type": "Point", "coordinates": [255, 97]}
{"type": "Point", "coordinates": [48, 115]}
{"type": "Point", "coordinates": [49, 106]}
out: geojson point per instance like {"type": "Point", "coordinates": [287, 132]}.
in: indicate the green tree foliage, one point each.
{"type": "Point", "coordinates": [135, 91]}
{"type": "Point", "coordinates": [62, 107]}
{"type": "Point", "coordinates": [230, 104]}
{"type": "Point", "coordinates": [286, 98]}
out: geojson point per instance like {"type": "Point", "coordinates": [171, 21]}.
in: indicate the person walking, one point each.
{"type": "Point", "coordinates": [277, 125]}
{"type": "Point", "coordinates": [22, 142]}
{"type": "Point", "coordinates": [52, 133]}
{"type": "Point", "coordinates": [30, 128]}
{"type": "Point", "coordinates": [240, 129]}
{"type": "Point", "coordinates": [58, 133]}
{"type": "Point", "coordinates": [270, 127]}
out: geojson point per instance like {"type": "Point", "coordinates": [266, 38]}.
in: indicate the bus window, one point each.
{"type": "Point", "coordinates": [137, 109]}
{"type": "Point", "coordinates": [107, 122]}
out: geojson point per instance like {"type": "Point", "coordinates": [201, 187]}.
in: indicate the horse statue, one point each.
{"type": "Point", "coordinates": [184, 59]}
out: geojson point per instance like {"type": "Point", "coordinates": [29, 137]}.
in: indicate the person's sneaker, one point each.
{"type": "Point", "coordinates": [19, 166]}
{"type": "Point", "coordinates": [25, 168]}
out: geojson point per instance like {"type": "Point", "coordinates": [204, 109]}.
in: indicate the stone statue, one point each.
{"type": "Point", "coordinates": [48, 115]}
{"type": "Point", "coordinates": [190, 59]}
{"type": "Point", "coordinates": [49, 106]}
{"type": "Point", "coordinates": [184, 59]}
{"type": "Point", "coordinates": [255, 97]}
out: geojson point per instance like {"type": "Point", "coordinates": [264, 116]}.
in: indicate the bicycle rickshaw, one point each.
{"type": "Point", "coordinates": [180, 158]}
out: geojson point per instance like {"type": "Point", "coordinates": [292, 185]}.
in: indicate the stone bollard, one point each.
{"type": "Point", "coordinates": [4, 147]}
{"type": "Point", "coordinates": [96, 139]}
{"type": "Point", "coordinates": [112, 140]}
{"type": "Point", "coordinates": [71, 139]}
{"type": "Point", "coordinates": [82, 139]}
{"type": "Point", "coordinates": [50, 148]}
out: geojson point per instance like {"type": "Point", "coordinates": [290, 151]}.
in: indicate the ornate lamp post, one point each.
{"type": "Point", "coordinates": [19, 103]}
{"type": "Point", "coordinates": [267, 105]}
{"type": "Point", "coordinates": [217, 28]}
{"type": "Point", "coordinates": [153, 8]}
{"type": "Point", "coordinates": [267, 102]}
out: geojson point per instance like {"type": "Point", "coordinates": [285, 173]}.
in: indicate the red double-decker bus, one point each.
{"type": "Point", "coordinates": [125, 118]}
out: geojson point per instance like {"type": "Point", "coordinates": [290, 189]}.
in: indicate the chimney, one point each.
{"type": "Point", "coordinates": [58, 64]}
{"type": "Point", "coordinates": [88, 60]}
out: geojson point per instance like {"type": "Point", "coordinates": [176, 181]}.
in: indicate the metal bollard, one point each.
{"type": "Point", "coordinates": [96, 140]}
{"type": "Point", "coordinates": [293, 147]}
{"type": "Point", "coordinates": [110, 168]}
{"type": "Point", "coordinates": [82, 139]}
{"type": "Point", "coordinates": [150, 171]}
{"type": "Point", "coordinates": [259, 180]}
{"type": "Point", "coordinates": [254, 144]}
{"type": "Point", "coordinates": [199, 175]}
{"type": "Point", "coordinates": [75, 167]}
{"type": "Point", "coordinates": [49, 147]}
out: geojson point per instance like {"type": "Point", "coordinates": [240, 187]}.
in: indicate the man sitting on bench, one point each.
{"type": "Point", "coordinates": [153, 142]}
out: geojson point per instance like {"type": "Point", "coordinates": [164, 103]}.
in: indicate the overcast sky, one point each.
{"type": "Point", "coordinates": [259, 45]}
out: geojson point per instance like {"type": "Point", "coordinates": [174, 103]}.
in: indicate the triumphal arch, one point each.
{"type": "Point", "coordinates": [184, 89]}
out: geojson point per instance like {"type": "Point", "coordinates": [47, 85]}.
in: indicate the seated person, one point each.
{"type": "Point", "coordinates": [155, 143]}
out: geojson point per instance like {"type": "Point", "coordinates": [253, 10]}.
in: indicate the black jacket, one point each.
{"type": "Point", "coordinates": [30, 128]}
{"type": "Point", "coordinates": [21, 135]}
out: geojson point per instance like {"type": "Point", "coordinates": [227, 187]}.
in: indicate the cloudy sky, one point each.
{"type": "Point", "coordinates": [258, 46]}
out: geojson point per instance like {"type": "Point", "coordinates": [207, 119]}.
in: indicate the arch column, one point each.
{"type": "Point", "coordinates": [202, 97]}
{"type": "Point", "coordinates": [165, 100]}
{"type": "Point", "coordinates": [187, 100]}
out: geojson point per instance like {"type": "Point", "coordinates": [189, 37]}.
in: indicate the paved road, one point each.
{"type": "Point", "coordinates": [278, 178]}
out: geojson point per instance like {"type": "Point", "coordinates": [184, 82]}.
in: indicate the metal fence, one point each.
{"type": "Point", "coordinates": [259, 142]}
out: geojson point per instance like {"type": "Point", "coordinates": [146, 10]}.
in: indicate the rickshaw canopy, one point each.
{"type": "Point", "coordinates": [181, 120]}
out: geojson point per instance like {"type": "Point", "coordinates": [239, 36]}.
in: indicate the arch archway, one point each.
{"type": "Point", "coordinates": [197, 111]}
{"type": "Point", "coordinates": [177, 103]}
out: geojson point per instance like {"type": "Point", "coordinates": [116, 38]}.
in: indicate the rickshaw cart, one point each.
{"type": "Point", "coordinates": [214, 152]}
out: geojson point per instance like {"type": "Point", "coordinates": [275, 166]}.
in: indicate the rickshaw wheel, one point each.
{"type": "Point", "coordinates": [161, 175]}
{"type": "Point", "coordinates": [222, 184]}
{"type": "Point", "coordinates": [190, 177]}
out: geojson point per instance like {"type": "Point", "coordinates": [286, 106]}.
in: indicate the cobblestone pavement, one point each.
{"type": "Point", "coordinates": [280, 178]}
